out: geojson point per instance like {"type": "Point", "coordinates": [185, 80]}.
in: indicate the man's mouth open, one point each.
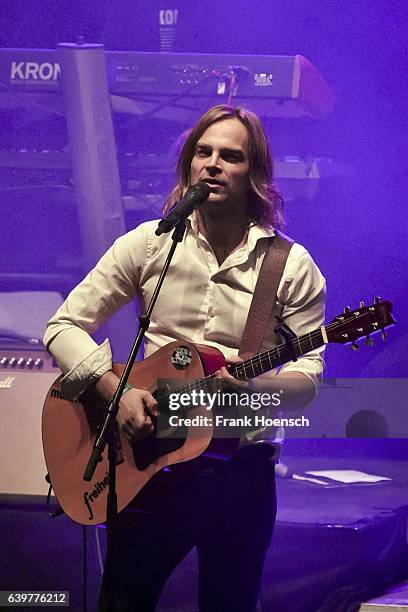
{"type": "Point", "coordinates": [213, 182]}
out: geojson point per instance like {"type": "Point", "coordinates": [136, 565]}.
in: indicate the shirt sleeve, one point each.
{"type": "Point", "coordinates": [304, 298]}
{"type": "Point", "coordinates": [111, 284]}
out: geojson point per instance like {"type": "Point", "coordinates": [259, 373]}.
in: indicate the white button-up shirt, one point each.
{"type": "Point", "coordinates": [200, 301]}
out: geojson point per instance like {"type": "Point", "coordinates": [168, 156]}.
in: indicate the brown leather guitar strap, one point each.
{"type": "Point", "coordinates": [265, 293]}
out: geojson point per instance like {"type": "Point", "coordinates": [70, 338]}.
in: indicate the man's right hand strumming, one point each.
{"type": "Point", "coordinates": [135, 407]}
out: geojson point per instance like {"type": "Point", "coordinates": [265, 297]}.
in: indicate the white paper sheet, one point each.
{"type": "Point", "coordinates": [348, 476]}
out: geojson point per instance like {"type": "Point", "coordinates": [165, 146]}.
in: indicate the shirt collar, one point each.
{"type": "Point", "coordinates": [255, 232]}
{"type": "Point", "coordinates": [192, 223]}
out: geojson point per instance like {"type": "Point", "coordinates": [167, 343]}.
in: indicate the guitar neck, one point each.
{"type": "Point", "coordinates": [346, 328]}
{"type": "Point", "coordinates": [273, 358]}
{"type": "Point", "coordinates": [266, 361]}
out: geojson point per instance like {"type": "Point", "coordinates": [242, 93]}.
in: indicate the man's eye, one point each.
{"type": "Point", "coordinates": [232, 157]}
{"type": "Point", "coordinates": [203, 152]}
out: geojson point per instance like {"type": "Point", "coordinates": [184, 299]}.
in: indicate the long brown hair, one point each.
{"type": "Point", "coordinates": [265, 203]}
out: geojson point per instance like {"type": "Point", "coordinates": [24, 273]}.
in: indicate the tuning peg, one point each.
{"type": "Point", "coordinates": [369, 341]}
{"type": "Point", "coordinates": [346, 309]}
{"type": "Point", "coordinates": [377, 300]}
{"type": "Point", "coordinates": [383, 334]}
{"type": "Point", "coordinates": [361, 304]}
{"type": "Point", "coordinates": [354, 346]}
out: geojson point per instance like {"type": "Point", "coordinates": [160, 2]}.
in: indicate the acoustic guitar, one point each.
{"type": "Point", "coordinates": [69, 427]}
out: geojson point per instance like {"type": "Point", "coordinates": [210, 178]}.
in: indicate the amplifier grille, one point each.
{"type": "Point", "coordinates": [22, 392]}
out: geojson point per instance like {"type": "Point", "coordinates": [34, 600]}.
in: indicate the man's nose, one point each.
{"type": "Point", "coordinates": [213, 166]}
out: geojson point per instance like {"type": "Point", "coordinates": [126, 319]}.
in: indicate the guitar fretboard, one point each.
{"type": "Point", "coordinates": [269, 360]}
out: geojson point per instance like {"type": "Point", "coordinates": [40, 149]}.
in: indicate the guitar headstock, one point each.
{"type": "Point", "coordinates": [360, 323]}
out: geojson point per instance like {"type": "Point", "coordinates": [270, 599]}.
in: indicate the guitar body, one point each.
{"type": "Point", "coordinates": [69, 431]}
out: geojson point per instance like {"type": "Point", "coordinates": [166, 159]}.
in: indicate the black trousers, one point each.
{"type": "Point", "coordinates": [226, 509]}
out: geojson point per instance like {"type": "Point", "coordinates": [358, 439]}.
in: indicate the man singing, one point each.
{"type": "Point", "coordinates": [224, 508]}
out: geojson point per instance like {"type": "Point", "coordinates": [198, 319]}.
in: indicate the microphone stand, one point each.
{"type": "Point", "coordinates": [108, 433]}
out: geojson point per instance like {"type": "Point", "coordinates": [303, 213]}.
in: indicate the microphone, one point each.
{"type": "Point", "coordinates": [195, 196]}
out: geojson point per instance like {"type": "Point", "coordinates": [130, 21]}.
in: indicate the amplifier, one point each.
{"type": "Point", "coordinates": [26, 374]}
